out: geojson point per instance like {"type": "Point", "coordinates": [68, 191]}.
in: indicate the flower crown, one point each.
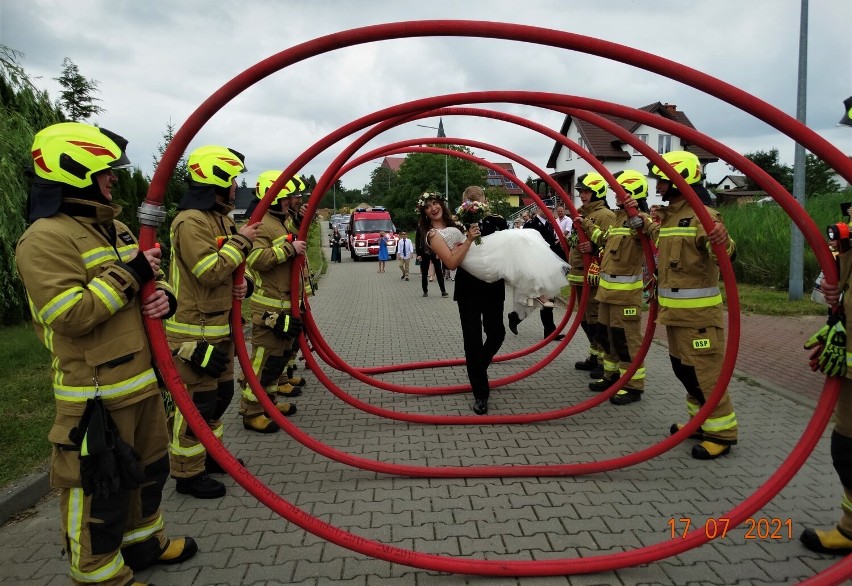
{"type": "Point", "coordinates": [421, 202]}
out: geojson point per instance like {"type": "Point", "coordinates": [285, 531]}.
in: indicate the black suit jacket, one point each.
{"type": "Point", "coordinates": [468, 287]}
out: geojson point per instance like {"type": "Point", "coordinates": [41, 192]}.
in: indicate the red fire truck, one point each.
{"type": "Point", "coordinates": [363, 232]}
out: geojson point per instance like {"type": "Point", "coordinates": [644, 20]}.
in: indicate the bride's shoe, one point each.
{"type": "Point", "coordinates": [531, 302]}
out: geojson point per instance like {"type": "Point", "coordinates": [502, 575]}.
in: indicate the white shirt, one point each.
{"type": "Point", "coordinates": [565, 224]}
{"type": "Point", "coordinates": [405, 248]}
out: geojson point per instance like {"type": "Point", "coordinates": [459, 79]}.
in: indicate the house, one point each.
{"type": "Point", "coordinates": [615, 154]}
{"type": "Point", "coordinates": [242, 200]}
{"type": "Point", "coordinates": [392, 163]}
{"type": "Point", "coordinates": [495, 179]}
{"type": "Point", "coordinates": [731, 182]}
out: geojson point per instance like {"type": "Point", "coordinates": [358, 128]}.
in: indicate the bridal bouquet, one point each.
{"type": "Point", "coordinates": [472, 212]}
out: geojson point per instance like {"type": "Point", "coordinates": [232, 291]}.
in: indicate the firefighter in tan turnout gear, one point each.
{"type": "Point", "coordinates": [591, 188]}
{"type": "Point", "coordinates": [619, 293]}
{"type": "Point", "coordinates": [206, 250]}
{"type": "Point", "coordinates": [690, 302]}
{"type": "Point", "coordinates": [83, 271]}
{"type": "Point", "coordinates": [838, 541]}
{"type": "Point", "coordinates": [274, 330]}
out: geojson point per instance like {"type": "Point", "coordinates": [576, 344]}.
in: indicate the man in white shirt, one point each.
{"type": "Point", "coordinates": [564, 221]}
{"type": "Point", "coordinates": [404, 252]}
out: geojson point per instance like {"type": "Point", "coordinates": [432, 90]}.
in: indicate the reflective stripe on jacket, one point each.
{"type": "Point", "coordinates": [86, 309]}
{"type": "Point", "coordinates": [206, 250]}
{"type": "Point", "coordinates": [596, 217]}
{"type": "Point", "coordinates": [688, 276]}
{"type": "Point", "coordinates": [270, 263]}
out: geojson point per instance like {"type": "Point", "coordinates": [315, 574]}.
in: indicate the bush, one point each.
{"type": "Point", "coordinates": [762, 234]}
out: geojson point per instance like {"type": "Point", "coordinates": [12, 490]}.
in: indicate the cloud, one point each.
{"type": "Point", "coordinates": [157, 61]}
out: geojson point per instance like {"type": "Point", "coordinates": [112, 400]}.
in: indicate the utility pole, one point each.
{"type": "Point", "coordinates": [795, 287]}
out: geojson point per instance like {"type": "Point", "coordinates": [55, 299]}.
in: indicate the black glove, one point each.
{"type": "Point", "coordinates": [203, 357]}
{"type": "Point", "coordinates": [283, 324]}
{"type": "Point", "coordinates": [99, 475]}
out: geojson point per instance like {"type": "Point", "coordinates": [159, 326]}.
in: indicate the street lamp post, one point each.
{"type": "Point", "coordinates": [440, 129]}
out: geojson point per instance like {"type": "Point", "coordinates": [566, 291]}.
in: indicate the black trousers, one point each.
{"type": "Point", "coordinates": [480, 314]}
{"type": "Point", "coordinates": [424, 272]}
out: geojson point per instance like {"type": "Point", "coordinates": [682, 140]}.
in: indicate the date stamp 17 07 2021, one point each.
{"type": "Point", "coordinates": [764, 528]}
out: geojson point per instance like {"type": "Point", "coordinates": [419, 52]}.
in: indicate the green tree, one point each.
{"type": "Point", "coordinates": [422, 172]}
{"type": "Point", "coordinates": [819, 177]}
{"type": "Point", "coordinates": [24, 110]}
{"type": "Point", "coordinates": [769, 162]}
{"type": "Point", "coordinates": [77, 97]}
{"type": "Point", "coordinates": [498, 201]}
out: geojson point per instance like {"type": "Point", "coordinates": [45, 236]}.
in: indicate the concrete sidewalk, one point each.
{"type": "Point", "coordinates": [375, 319]}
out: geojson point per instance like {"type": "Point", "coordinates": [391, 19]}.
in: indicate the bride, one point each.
{"type": "Point", "coordinates": [521, 257]}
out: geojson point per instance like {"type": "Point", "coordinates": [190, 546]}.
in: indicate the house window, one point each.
{"type": "Point", "coordinates": [643, 138]}
{"type": "Point", "coordinates": [582, 143]}
{"type": "Point", "coordinates": [510, 185]}
{"type": "Point", "coordinates": [664, 143]}
{"type": "Point", "coordinates": [569, 154]}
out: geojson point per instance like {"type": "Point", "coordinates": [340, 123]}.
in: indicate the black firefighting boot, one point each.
{"type": "Point", "coordinates": [259, 423]}
{"type": "Point", "coordinates": [213, 467]}
{"type": "Point", "coordinates": [590, 363]}
{"type": "Point", "coordinates": [288, 389]}
{"type": "Point", "coordinates": [625, 397]}
{"type": "Point", "coordinates": [178, 550]}
{"type": "Point", "coordinates": [832, 542]}
{"type": "Point", "coordinates": [286, 408]}
{"type": "Point", "coordinates": [676, 427]}
{"type": "Point", "coordinates": [603, 383]}
{"type": "Point", "coordinates": [709, 450]}
{"type": "Point", "coordinates": [201, 486]}
{"type": "Point", "coordinates": [293, 379]}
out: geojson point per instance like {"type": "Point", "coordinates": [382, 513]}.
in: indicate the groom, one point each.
{"type": "Point", "coordinates": [480, 310]}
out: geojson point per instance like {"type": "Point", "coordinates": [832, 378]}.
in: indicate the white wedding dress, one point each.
{"type": "Point", "coordinates": [521, 257]}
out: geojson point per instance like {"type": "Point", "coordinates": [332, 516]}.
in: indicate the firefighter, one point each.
{"type": "Point", "coordinates": [591, 188]}
{"type": "Point", "coordinates": [291, 384]}
{"type": "Point", "coordinates": [838, 541]}
{"type": "Point", "coordinates": [274, 330]}
{"type": "Point", "coordinates": [619, 294]}
{"type": "Point", "coordinates": [83, 271]}
{"type": "Point", "coordinates": [691, 303]}
{"type": "Point", "coordinates": [206, 249]}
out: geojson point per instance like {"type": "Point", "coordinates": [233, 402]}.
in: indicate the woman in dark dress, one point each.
{"type": "Point", "coordinates": [336, 242]}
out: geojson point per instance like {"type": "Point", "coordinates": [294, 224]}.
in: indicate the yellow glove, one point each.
{"type": "Point", "coordinates": [594, 274]}
{"type": "Point", "coordinates": [829, 347]}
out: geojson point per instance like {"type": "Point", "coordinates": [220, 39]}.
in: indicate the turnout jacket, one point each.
{"type": "Point", "coordinates": [269, 263]}
{"type": "Point", "coordinates": [206, 250]}
{"type": "Point", "coordinates": [594, 213]}
{"type": "Point", "coordinates": [687, 271]}
{"type": "Point", "coordinates": [622, 259]}
{"type": "Point", "coordinates": [83, 290]}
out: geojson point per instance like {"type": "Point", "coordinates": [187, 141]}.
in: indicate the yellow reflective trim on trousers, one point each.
{"type": "Point", "coordinates": [259, 298]}
{"type": "Point", "coordinates": [187, 451]}
{"type": "Point", "coordinates": [580, 279]}
{"type": "Point", "coordinates": [110, 391]}
{"type": "Point", "coordinates": [846, 503]}
{"type": "Point", "coordinates": [678, 231]}
{"type": "Point", "coordinates": [108, 296]}
{"type": "Point", "coordinates": [692, 408]}
{"type": "Point", "coordinates": [256, 360]}
{"type": "Point", "coordinates": [198, 331]}
{"type": "Point", "coordinates": [141, 534]}
{"type": "Point", "coordinates": [59, 305]}
{"type": "Point", "coordinates": [720, 423]}
{"type": "Point", "coordinates": [690, 302]}
{"type": "Point", "coordinates": [640, 373]}
{"type": "Point", "coordinates": [849, 359]}
{"type": "Point", "coordinates": [610, 365]}
{"type": "Point", "coordinates": [597, 353]}
{"type": "Point", "coordinates": [74, 522]}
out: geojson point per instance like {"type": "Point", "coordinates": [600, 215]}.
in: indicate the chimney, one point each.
{"type": "Point", "coordinates": [671, 109]}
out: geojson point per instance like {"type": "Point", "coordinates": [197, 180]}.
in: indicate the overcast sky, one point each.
{"type": "Point", "coordinates": [157, 60]}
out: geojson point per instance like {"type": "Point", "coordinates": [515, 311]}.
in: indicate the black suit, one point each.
{"type": "Point", "coordinates": [481, 309]}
